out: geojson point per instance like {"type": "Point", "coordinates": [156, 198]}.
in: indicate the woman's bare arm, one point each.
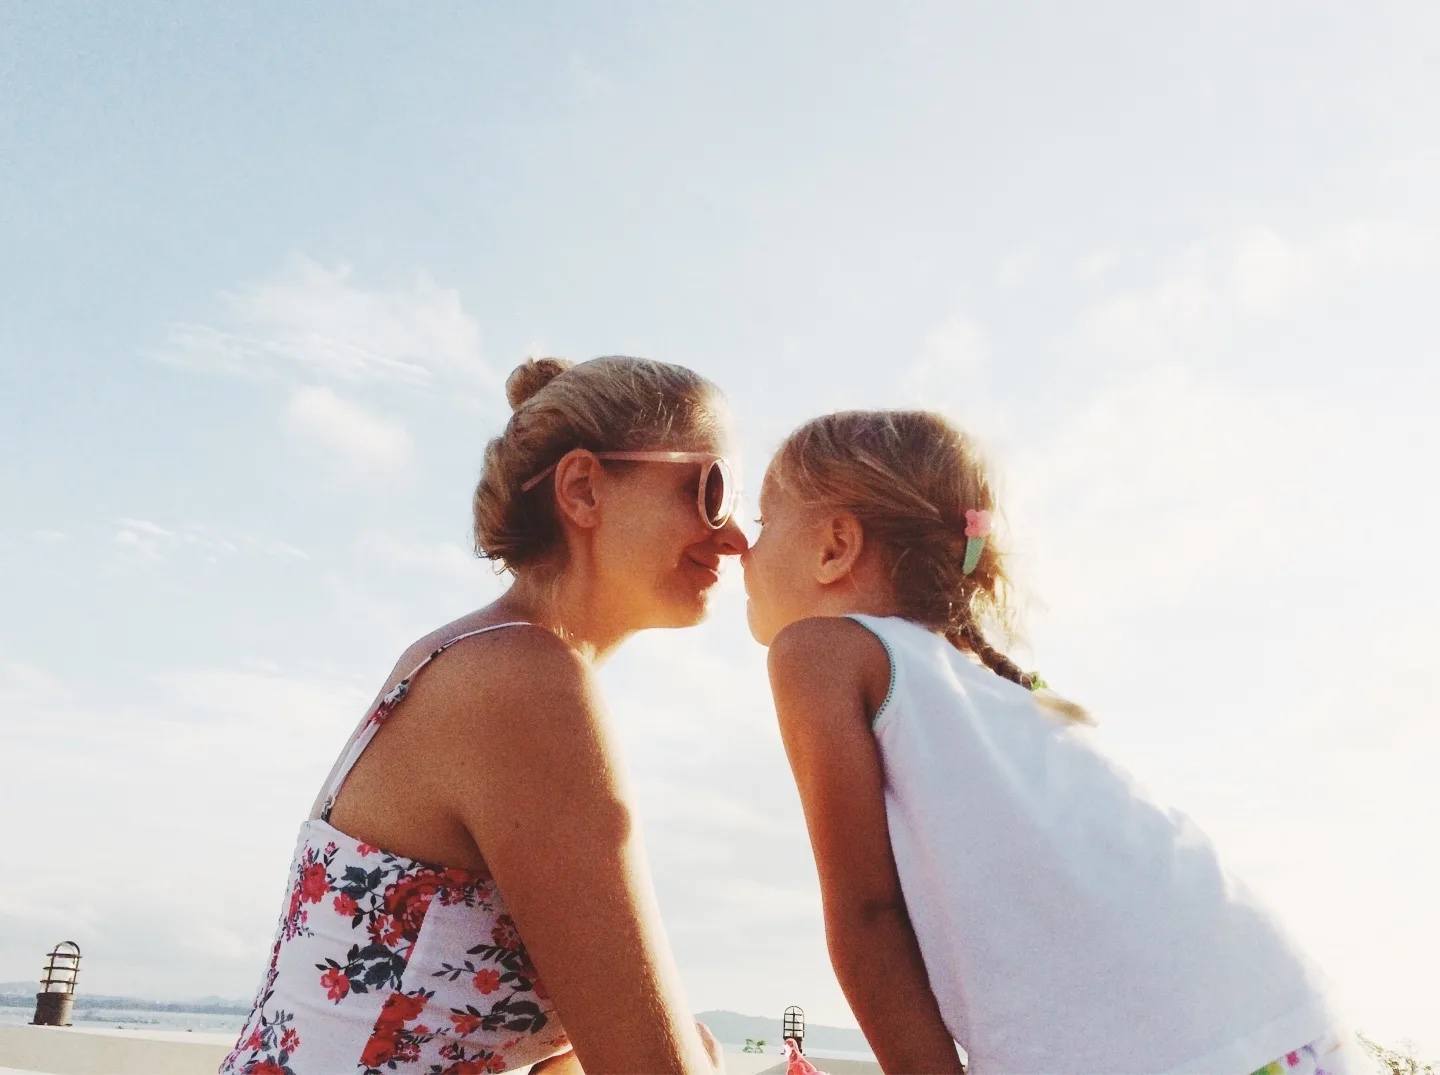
{"type": "Point", "coordinates": [540, 787]}
{"type": "Point", "coordinates": [818, 673]}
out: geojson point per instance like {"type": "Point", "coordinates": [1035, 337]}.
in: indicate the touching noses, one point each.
{"type": "Point", "coordinates": [732, 539]}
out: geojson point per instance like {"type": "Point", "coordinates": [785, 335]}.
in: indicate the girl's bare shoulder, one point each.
{"type": "Point", "coordinates": [820, 653]}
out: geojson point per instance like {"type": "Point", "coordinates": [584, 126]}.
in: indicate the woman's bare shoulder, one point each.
{"type": "Point", "coordinates": [490, 678]}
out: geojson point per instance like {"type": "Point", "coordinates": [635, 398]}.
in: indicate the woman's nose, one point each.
{"type": "Point", "coordinates": [732, 539]}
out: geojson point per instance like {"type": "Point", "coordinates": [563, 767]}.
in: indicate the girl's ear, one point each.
{"type": "Point", "coordinates": [844, 538]}
{"type": "Point", "coordinates": [576, 494]}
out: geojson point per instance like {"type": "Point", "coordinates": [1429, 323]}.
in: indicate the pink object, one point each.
{"type": "Point", "coordinates": [977, 523]}
{"type": "Point", "coordinates": [795, 1062]}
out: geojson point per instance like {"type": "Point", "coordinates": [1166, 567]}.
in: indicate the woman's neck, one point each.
{"type": "Point", "coordinates": [568, 610]}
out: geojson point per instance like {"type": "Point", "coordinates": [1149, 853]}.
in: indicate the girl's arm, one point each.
{"type": "Point", "coordinates": [823, 672]}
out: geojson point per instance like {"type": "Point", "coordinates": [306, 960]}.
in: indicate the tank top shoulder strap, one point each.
{"type": "Point", "coordinates": [360, 738]}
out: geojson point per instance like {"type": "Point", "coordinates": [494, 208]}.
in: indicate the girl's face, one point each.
{"type": "Point", "coordinates": [780, 565]}
{"type": "Point", "coordinates": [659, 558]}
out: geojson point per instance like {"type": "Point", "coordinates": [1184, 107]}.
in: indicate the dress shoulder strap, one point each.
{"type": "Point", "coordinates": [360, 738]}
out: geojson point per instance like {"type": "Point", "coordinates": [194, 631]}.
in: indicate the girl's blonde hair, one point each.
{"type": "Point", "coordinates": [909, 477]}
{"type": "Point", "coordinates": [614, 403]}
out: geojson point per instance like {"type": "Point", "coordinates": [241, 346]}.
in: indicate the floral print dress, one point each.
{"type": "Point", "coordinates": [382, 964]}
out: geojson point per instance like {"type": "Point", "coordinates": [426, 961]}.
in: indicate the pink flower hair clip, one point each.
{"type": "Point", "coordinates": [977, 529]}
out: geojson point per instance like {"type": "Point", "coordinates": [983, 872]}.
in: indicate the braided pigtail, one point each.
{"type": "Point", "coordinates": [965, 634]}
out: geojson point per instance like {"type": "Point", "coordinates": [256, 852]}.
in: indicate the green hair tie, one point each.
{"type": "Point", "coordinates": [977, 529]}
{"type": "Point", "coordinates": [1038, 684]}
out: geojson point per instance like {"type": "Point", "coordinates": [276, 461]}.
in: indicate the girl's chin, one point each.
{"type": "Point", "coordinates": [759, 629]}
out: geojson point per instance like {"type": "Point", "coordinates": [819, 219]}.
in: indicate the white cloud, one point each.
{"type": "Point", "coordinates": [364, 443]}
{"type": "Point", "coordinates": [443, 560]}
{"type": "Point", "coordinates": [1097, 264]}
{"type": "Point", "coordinates": [1268, 271]}
{"type": "Point", "coordinates": [1204, 296]}
{"type": "Point", "coordinates": [153, 542]}
{"type": "Point", "coordinates": [254, 692]}
{"type": "Point", "coordinates": [28, 684]}
{"type": "Point", "coordinates": [148, 540]}
{"type": "Point", "coordinates": [952, 373]}
{"type": "Point", "coordinates": [1180, 315]}
{"type": "Point", "coordinates": [314, 322]}
{"type": "Point", "coordinates": [274, 547]}
{"type": "Point", "coordinates": [1163, 478]}
{"type": "Point", "coordinates": [1014, 269]}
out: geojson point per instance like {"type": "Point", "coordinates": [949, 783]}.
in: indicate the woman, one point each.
{"type": "Point", "coordinates": [470, 876]}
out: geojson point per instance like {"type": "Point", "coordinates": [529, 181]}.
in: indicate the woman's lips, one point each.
{"type": "Point", "coordinates": [712, 570]}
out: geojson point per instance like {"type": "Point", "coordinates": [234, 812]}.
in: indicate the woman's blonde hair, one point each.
{"type": "Point", "coordinates": [909, 477]}
{"type": "Point", "coordinates": [614, 403]}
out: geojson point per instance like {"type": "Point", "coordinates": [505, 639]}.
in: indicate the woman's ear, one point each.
{"type": "Point", "coordinates": [577, 480]}
{"type": "Point", "coordinates": [843, 540]}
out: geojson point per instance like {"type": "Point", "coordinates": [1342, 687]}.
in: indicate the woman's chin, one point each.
{"type": "Point", "coordinates": [684, 610]}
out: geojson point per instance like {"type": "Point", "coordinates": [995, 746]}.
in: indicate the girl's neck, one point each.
{"type": "Point", "coordinates": [856, 601]}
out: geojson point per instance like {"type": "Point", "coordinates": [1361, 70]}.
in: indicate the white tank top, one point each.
{"type": "Point", "coordinates": [1068, 921]}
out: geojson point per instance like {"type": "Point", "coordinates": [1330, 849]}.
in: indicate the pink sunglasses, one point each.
{"type": "Point", "coordinates": [715, 498]}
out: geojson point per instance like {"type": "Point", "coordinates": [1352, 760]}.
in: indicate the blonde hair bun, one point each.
{"type": "Point", "coordinates": [530, 376]}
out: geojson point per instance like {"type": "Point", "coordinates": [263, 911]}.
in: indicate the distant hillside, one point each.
{"type": "Point", "coordinates": [22, 994]}
{"type": "Point", "coordinates": [733, 1028]}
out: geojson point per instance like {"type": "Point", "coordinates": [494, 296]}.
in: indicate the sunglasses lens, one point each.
{"type": "Point", "coordinates": [717, 494]}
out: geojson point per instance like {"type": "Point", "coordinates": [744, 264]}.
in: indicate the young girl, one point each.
{"type": "Point", "coordinates": [988, 875]}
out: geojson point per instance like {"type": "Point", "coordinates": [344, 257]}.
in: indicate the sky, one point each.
{"type": "Point", "coordinates": [263, 272]}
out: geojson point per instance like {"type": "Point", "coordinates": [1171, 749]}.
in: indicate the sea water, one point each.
{"type": "Point", "coordinates": [138, 1019]}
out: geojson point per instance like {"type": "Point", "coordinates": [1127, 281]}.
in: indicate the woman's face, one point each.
{"type": "Point", "coordinates": [661, 560]}
{"type": "Point", "coordinates": [780, 565]}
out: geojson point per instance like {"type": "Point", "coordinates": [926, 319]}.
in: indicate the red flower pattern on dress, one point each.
{"type": "Point", "coordinates": [409, 899]}
{"type": "Point", "coordinates": [399, 1009]}
{"type": "Point", "coordinates": [384, 930]}
{"type": "Point", "coordinates": [345, 904]}
{"type": "Point", "coordinates": [504, 933]}
{"type": "Point", "coordinates": [487, 981]}
{"type": "Point", "coordinates": [335, 983]}
{"type": "Point", "coordinates": [378, 1050]}
{"type": "Point", "coordinates": [313, 884]}
{"type": "Point", "coordinates": [465, 1022]}
{"type": "Point", "coordinates": [407, 1049]}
